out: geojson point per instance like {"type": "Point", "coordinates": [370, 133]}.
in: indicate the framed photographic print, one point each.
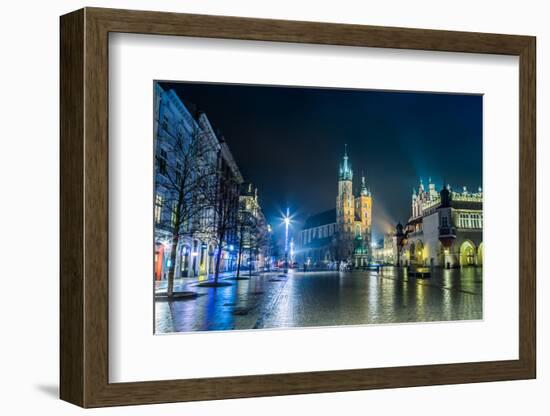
{"type": "Point", "coordinates": [260, 207]}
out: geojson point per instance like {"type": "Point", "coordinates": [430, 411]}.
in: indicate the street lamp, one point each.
{"type": "Point", "coordinates": [286, 220]}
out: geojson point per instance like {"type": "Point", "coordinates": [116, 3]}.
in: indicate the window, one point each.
{"type": "Point", "coordinates": [444, 222]}
{"type": "Point", "coordinates": [477, 223]}
{"type": "Point", "coordinates": [185, 223]}
{"type": "Point", "coordinates": [162, 161]}
{"type": "Point", "coordinates": [470, 220]}
{"type": "Point", "coordinates": [164, 123]}
{"type": "Point", "coordinates": [158, 208]}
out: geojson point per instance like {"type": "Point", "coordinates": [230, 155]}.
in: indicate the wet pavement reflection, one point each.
{"type": "Point", "coordinates": [271, 300]}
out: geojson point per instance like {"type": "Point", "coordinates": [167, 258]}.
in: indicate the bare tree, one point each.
{"type": "Point", "coordinates": [245, 224]}
{"type": "Point", "coordinates": [187, 168]}
{"type": "Point", "coordinates": [224, 202]}
{"type": "Point", "coordinates": [253, 236]}
{"type": "Point", "coordinates": [222, 230]}
{"type": "Point", "coordinates": [260, 241]}
{"type": "Point", "coordinates": [273, 246]}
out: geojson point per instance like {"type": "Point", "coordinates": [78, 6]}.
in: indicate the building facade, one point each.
{"type": "Point", "coordinates": [343, 234]}
{"type": "Point", "coordinates": [194, 172]}
{"type": "Point", "coordinates": [445, 229]}
{"type": "Point", "coordinates": [254, 231]}
{"type": "Point", "coordinates": [383, 252]}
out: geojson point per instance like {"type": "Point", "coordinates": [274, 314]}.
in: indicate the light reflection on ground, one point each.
{"type": "Point", "coordinates": [325, 299]}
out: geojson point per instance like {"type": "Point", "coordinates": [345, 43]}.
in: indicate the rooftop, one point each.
{"type": "Point", "coordinates": [323, 218]}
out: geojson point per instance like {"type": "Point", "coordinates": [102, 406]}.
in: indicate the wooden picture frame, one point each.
{"type": "Point", "coordinates": [84, 207]}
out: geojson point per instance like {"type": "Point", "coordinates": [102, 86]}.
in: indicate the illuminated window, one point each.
{"type": "Point", "coordinates": [464, 220]}
{"type": "Point", "coordinates": [158, 207]}
{"type": "Point", "coordinates": [477, 221]}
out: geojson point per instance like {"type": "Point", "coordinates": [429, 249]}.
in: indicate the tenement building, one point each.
{"type": "Point", "coordinates": [253, 230]}
{"type": "Point", "coordinates": [341, 235]}
{"type": "Point", "coordinates": [445, 229]}
{"type": "Point", "coordinates": [196, 200]}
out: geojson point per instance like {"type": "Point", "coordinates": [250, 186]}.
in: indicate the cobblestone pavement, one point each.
{"type": "Point", "coordinates": [272, 300]}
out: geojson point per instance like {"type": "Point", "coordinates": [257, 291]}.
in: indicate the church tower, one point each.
{"type": "Point", "coordinates": [362, 226]}
{"type": "Point", "coordinates": [363, 210]}
{"type": "Point", "coordinates": [345, 208]}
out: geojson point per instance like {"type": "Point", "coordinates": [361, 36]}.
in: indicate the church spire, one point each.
{"type": "Point", "coordinates": [364, 189]}
{"type": "Point", "coordinates": [346, 173]}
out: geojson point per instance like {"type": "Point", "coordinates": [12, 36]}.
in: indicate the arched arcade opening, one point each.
{"type": "Point", "coordinates": [467, 254]}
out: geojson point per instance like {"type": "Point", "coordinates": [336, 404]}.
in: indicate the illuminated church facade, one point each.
{"type": "Point", "coordinates": [341, 235]}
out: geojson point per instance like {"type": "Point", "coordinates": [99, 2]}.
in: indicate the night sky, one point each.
{"type": "Point", "coordinates": [289, 142]}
